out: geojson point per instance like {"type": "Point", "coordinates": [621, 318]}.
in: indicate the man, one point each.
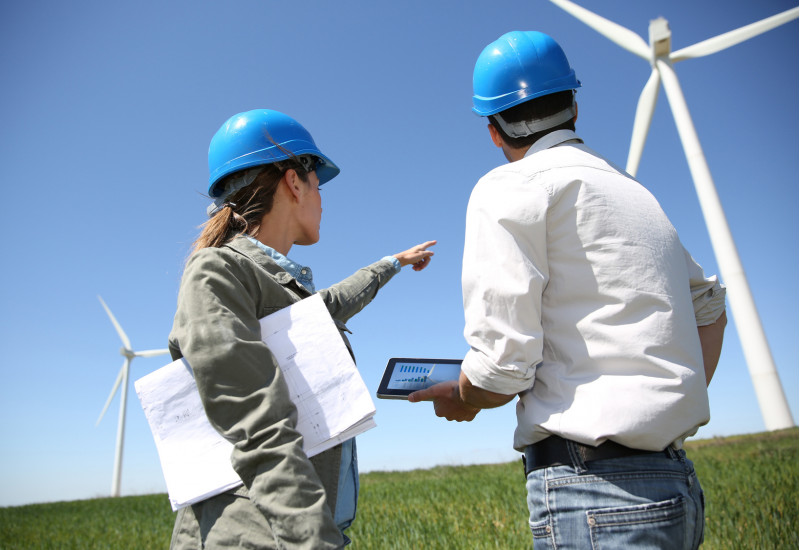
{"type": "Point", "coordinates": [579, 298]}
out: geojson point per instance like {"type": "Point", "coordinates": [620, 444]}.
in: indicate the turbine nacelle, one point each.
{"type": "Point", "coordinates": [660, 38]}
{"type": "Point", "coordinates": [660, 49]}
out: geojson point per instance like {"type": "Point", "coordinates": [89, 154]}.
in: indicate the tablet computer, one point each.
{"type": "Point", "coordinates": [403, 375]}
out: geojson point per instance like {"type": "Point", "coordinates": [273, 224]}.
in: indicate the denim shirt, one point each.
{"type": "Point", "coordinates": [347, 494]}
{"type": "Point", "coordinates": [301, 273]}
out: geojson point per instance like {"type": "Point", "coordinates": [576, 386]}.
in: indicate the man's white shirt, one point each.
{"type": "Point", "coordinates": [579, 296]}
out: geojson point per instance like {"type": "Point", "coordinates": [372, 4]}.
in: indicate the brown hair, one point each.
{"type": "Point", "coordinates": [242, 212]}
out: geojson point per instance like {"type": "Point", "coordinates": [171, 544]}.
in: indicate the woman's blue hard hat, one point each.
{"type": "Point", "coordinates": [257, 137]}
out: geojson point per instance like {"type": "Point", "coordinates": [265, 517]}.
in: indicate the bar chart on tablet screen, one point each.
{"type": "Point", "coordinates": [415, 376]}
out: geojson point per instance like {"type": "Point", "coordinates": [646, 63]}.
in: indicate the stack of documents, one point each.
{"type": "Point", "coordinates": [333, 403]}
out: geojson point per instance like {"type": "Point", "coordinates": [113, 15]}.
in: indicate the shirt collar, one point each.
{"type": "Point", "coordinates": [552, 139]}
{"type": "Point", "coordinates": [301, 273]}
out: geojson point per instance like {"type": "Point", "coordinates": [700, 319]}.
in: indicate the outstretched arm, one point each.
{"type": "Point", "coordinates": [348, 297]}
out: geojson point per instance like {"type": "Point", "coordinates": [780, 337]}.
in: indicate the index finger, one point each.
{"type": "Point", "coordinates": [429, 394]}
{"type": "Point", "coordinates": [426, 245]}
{"type": "Point", "coordinates": [421, 395]}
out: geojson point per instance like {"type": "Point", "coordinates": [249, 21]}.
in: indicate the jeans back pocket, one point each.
{"type": "Point", "coordinates": [652, 525]}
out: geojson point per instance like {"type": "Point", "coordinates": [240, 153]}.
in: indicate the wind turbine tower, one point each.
{"type": "Point", "coordinates": [122, 379]}
{"type": "Point", "coordinates": [658, 53]}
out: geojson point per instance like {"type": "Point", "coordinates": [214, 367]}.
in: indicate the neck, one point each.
{"type": "Point", "coordinates": [274, 232]}
{"type": "Point", "coordinates": [514, 154]}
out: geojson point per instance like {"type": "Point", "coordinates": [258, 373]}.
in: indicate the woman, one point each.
{"type": "Point", "coordinates": [265, 173]}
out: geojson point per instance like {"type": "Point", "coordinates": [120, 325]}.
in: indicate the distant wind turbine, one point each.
{"type": "Point", "coordinates": [769, 392]}
{"type": "Point", "coordinates": [122, 378]}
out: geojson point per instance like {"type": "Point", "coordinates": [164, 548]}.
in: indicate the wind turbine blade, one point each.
{"type": "Point", "coordinates": [113, 391]}
{"type": "Point", "coordinates": [151, 352]}
{"type": "Point", "coordinates": [728, 39]}
{"type": "Point", "coordinates": [613, 31]}
{"type": "Point", "coordinates": [122, 335]}
{"type": "Point", "coordinates": [641, 124]}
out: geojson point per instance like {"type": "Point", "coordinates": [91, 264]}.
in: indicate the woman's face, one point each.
{"type": "Point", "coordinates": [310, 213]}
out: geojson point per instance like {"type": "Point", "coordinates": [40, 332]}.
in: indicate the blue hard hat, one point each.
{"type": "Point", "coordinates": [257, 137]}
{"type": "Point", "coordinates": [517, 67]}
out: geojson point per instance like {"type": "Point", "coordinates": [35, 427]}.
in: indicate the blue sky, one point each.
{"type": "Point", "coordinates": [107, 111]}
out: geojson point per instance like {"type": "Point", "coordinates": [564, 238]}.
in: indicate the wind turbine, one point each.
{"type": "Point", "coordinates": [122, 379]}
{"type": "Point", "coordinates": [769, 392]}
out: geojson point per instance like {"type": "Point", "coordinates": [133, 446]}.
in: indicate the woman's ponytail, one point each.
{"type": "Point", "coordinates": [243, 211]}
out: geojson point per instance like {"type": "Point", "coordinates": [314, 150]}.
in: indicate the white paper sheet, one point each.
{"type": "Point", "coordinates": [333, 403]}
{"type": "Point", "coordinates": [195, 458]}
{"type": "Point", "coordinates": [317, 368]}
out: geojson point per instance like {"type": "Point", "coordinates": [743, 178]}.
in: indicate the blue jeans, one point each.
{"type": "Point", "coordinates": [644, 501]}
{"type": "Point", "coordinates": [347, 493]}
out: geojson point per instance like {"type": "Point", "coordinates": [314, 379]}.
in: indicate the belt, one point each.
{"type": "Point", "coordinates": [557, 451]}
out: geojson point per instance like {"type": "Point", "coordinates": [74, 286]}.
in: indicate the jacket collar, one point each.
{"type": "Point", "coordinates": [245, 247]}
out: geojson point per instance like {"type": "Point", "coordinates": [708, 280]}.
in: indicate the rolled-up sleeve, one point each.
{"type": "Point", "coordinates": [504, 273]}
{"type": "Point", "coordinates": [708, 294]}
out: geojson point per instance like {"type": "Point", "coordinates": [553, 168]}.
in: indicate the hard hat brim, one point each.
{"type": "Point", "coordinates": [326, 170]}
{"type": "Point", "coordinates": [485, 106]}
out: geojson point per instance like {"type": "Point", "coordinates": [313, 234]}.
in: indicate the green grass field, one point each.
{"type": "Point", "coordinates": [750, 482]}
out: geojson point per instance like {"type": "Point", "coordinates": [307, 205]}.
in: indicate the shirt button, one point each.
{"type": "Point", "coordinates": [303, 271]}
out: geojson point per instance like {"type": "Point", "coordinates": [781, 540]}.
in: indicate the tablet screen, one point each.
{"type": "Point", "coordinates": [404, 375]}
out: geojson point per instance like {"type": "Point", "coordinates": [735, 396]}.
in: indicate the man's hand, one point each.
{"type": "Point", "coordinates": [447, 402]}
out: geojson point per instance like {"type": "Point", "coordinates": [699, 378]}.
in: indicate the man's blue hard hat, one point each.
{"type": "Point", "coordinates": [257, 137]}
{"type": "Point", "coordinates": [517, 67]}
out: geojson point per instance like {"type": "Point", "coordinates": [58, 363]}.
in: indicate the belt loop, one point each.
{"type": "Point", "coordinates": [671, 453]}
{"type": "Point", "coordinates": [577, 458]}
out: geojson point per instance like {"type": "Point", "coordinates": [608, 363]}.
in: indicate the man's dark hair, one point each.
{"type": "Point", "coordinates": [536, 108]}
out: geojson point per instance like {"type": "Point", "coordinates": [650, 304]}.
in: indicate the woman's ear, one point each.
{"type": "Point", "coordinates": [292, 182]}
